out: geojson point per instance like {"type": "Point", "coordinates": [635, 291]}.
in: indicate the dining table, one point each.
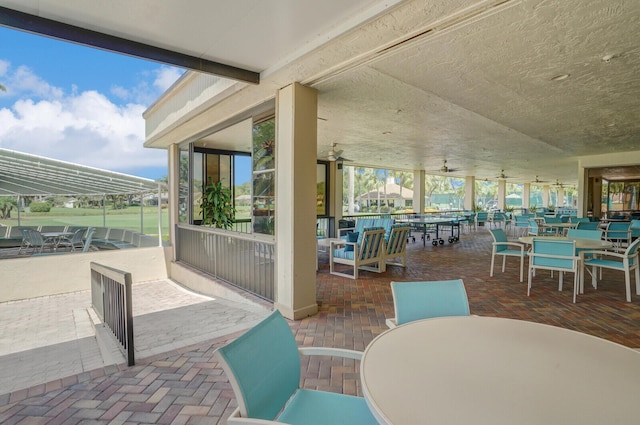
{"type": "Point", "coordinates": [56, 237]}
{"type": "Point", "coordinates": [490, 370]}
{"type": "Point", "coordinates": [581, 244]}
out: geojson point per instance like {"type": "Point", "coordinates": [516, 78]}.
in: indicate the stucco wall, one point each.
{"type": "Point", "coordinates": [38, 276]}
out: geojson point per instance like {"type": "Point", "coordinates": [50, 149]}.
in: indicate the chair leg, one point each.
{"type": "Point", "coordinates": [627, 283]}
{"type": "Point", "coordinates": [493, 257]}
{"type": "Point", "coordinates": [637, 273]}
{"type": "Point", "coordinates": [521, 268]}
{"type": "Point", "coordinates": [575, 285]}
{"type": "Point", "coordinates": [529, 281]}
{"type": "Point", "coordinates": [504, 262]}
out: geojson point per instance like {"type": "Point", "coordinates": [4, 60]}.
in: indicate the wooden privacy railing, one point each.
{"type": "Point", "coordinates": [111, 299]}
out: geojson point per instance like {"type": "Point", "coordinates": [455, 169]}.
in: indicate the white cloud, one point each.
{"type": "Point", "coordinates": [25, 81]}
{"type": "Point", "coordinates": [86, 128]}
{"type": "Point", "coordinates": [4, 67]}
{"type": "Point", "coordinates": [120, 92]}
{"type": "Point", "coordinates": [81, 127]}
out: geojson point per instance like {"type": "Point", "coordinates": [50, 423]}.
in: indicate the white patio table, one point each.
{"type": "Point", "coordinates": [487, 370]}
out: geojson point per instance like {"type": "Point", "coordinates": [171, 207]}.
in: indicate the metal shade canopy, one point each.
{"type": "Point", "coordinates": [29, 175]}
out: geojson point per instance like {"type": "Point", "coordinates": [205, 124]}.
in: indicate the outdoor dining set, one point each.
{"type": "Point", "coordinates": [437, 363]}
{"type": "Point", "coordinates": [578, 246]}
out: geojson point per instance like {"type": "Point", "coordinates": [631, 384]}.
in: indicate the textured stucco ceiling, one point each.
{"type": "Point", "coordinates": [480, 93]}
{"type": "Point", "coordinates": [408, 84]}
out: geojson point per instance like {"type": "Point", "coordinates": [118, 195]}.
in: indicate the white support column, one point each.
{"type": "Point", "coordinates": [583, 194]}
{"type": "Point", "coordinates": [545, 195]}
{"type": "Point", "coordinates": [173, 181]}
{"type": "Point", "coordinates": [560, 197]}
{"type": "Point", "coordinates": [336, 176]}
{"type": "Point", "coordinates": [469, 192]}
{"type": "Point", "coordinates": [526, 195]}
{"type": "Point", "coordinates": [502, 193]}
{"type": "Point", "coordinates": [296, 152]}
{"type": "Point", "coordinates": [418, 191]}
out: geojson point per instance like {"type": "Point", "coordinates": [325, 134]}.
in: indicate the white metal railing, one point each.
{"type": "Point", "coordinates": [111, 299]}
{"type": "Point", "coordinates": [244, 260]}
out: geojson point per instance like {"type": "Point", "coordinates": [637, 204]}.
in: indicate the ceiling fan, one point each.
{"type": "Point", "coordinates": [445, 168]}
{"type": "Point", "coordinates": [335, 155]}
{"type": "Point", "coordinates": [537, 180]}
{"type": "Point", "coordinates": [502, 175]}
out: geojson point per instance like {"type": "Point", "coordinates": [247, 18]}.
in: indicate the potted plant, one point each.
{"type": "Point", "coordinates": [217, 206]}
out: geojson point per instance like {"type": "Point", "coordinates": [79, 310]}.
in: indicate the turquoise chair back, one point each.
{"type": "Point", "coordinates": [499, 236]}
{"type": "Point", "coordinates": [88, 239]}
{"type": "Point", "coordinates": [574, 219]}
{"type": "Point", "coordinates": [482, 216]}
{"type": "Point", "coordinates": [635, 228]}
{"type": "Point", "coordinates": [619, 230]}
{"type": "Point", "coordinates": [588, 225]}
{"type": "Point", "coordinates": [556, 249]}
{"type": "Point", "coordinates": [424, 300]}
{"type": "Point", "coordinates": [584, 234]}
{"type": "Point", "coordinates": [631, 252]}
{"type": "Point", "coordinates": [264, 366]}
{"type": "Point", "coordinates": [553, 219]}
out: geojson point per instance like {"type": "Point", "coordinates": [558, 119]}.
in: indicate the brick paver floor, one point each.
{"type": "Point", "coordinates": [185, 386]}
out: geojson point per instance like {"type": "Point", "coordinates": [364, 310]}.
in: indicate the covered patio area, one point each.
{"type": "Point", "coordinates": [187, 386]}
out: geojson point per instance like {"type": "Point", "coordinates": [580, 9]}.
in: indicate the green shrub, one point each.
{"type": "Point", "coordinates": [40, 207]}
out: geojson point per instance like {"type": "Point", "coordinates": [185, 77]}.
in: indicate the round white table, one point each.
{"type": "Point", "coordinates": [485, 370]}
{"type": "Point", "coordinates": [580, 243]}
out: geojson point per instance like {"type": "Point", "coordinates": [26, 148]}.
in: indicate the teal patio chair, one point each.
{"type": "Point", "coordinates": [553, 255]}
{"type": "Point", "coordinates": [501, 246]}
{"type": "Point", "coordinates": [584, 234]}
{"type": "Point", "coordinates": [619, 233]}
{"type": "Point", "coordinates": [424, 300]}
{"type": "Point", "coordinates": [32, 239]}
{"type": "Point", "coordinates": [635, 229]}
{"type": "Point", "coordinates": [75, 241]}
{"type": "Point", "coordinates": [588, 225]}
{"type": "Point", "coordinates": [574, 219]}
{"type": "Point", "coordinates": [624, 262]}
{"type": "Point", "coordinates": [481, 218]}
{"type": "Point", "coordinates": [366, 253]}
{"type": "Point", "coordinates": [536, 230]}
{"type": "Point", "coordinates": [263, 367]}
{"type": "Point", "coordinates": [521, 225]}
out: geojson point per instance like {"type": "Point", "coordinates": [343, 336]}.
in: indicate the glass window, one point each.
{"type": "Point", "coordinates": [183, 186]}
{"type": "Point", "coordinates": [263, 201]}
{"type": "Point", "coordinates": [321, 196]}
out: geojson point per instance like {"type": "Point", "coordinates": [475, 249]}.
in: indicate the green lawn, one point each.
{"type": "Point", "coordinates": [127, 218]}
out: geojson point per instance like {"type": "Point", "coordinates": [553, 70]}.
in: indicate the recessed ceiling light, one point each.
{"type": "Point", "coordinates": [560, 77]}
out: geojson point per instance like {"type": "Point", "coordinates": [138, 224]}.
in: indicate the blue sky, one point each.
{"type": "Point", "coordinates": [79, 104]}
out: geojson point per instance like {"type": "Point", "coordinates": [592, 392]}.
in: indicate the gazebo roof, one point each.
{"type": "Point", "coordinates": [393, 191]}
{"type": "Point", "coordinates": [26, 174]}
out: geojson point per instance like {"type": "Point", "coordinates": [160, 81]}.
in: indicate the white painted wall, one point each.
{"type": "Point", "coordinates": [31, 277]}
